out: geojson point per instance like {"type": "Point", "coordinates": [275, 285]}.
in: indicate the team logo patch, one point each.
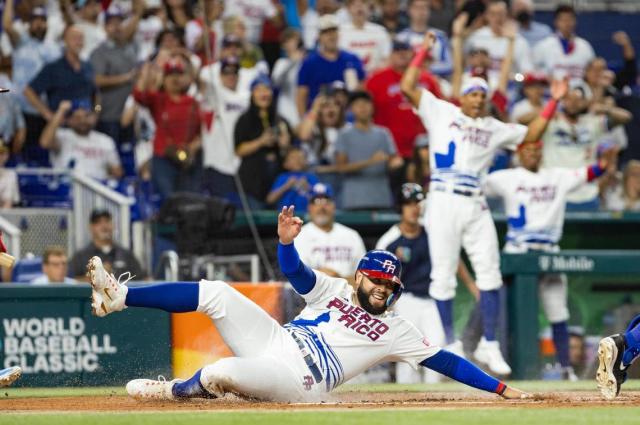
{"type": "Point", "coordinates": [307, 382]}
{"type": "Point", "coordinates": [389, 266]}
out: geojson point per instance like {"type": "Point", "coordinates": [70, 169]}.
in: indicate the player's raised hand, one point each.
{"type": "Point", "coordinates": [289, 225]}
{"type": "Point", "coordinates": [559, 88]}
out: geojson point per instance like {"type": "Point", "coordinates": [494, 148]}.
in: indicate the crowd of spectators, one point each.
{"type": "Point", "coordinates": [278, 95]}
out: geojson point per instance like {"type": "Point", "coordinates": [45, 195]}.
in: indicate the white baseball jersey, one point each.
{"type": "Point", "coordinates": [90, 155]}
{"type": "Point", "coordinates": [484, 38]}
{"type": "Point", "coordinates": [339, 249]}
{"type": "Point", "coordinates": [550, 57]}
{"type": "Point", "coordinates": [573, 146]}
{"type": "Point", "coordinates": [462, 148]}
{"type": "Point", "coordinates": [534, 202]}
{"type": "Point", "coordinates": [442, 64]}
{"type": "Point", "coordinates": [345, 340]}
{"type": "Point", "coordinates": [371, 44]}
{"type": "Point", "coordinates": [222, 108]}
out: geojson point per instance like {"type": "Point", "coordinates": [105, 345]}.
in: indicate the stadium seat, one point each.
{"type": "Point", "coordinates": [27, 269]}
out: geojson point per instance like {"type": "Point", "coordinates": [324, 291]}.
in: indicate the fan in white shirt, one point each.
{"type": "Point", "coordinates": [369, 41]}
{"type": "Point", "coordinates": [563, 54]}
{"type": "Point", "coordinates": [326, 245]}
{"type": "Point", "coordinates": [491, 39]}
{"type": "Point", "coordinates": [88, 152]}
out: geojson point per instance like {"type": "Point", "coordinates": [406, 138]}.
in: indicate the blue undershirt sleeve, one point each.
{"type": "Point", "coordinates": [300, 275]}
{"type": "Point", "coordinates": [462, 370]}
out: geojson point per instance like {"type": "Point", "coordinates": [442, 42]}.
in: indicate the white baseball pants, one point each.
{"type": "Point", "coordinates": [453, 222]}
{"type": "Point", "coordinates": [423, 314]}
{"type": "Point", "coordinates": [552, 288]}
{"type": "Point", "coordinates": [268, 363]}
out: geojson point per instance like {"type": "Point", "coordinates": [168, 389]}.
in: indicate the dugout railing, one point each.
{"type": "Point", "coordinates": [523, 302]}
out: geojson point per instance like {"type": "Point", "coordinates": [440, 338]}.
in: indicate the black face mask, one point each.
{"type": "Point", "coordinates": [363, 299]}
{"type": "Point", "coordinates": [524, 17]}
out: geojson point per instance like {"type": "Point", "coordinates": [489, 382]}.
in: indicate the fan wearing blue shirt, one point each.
{"type": "Point", "coordinates": [293, 187]}
{"type": "Point", "coordinates": [326, 65]}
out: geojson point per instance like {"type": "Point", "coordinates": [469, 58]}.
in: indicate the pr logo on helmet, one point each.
{"type": "Point", "coordinates": [388, 266]}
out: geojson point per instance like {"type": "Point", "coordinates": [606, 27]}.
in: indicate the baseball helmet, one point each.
{"type": "Point", "coordinates": [410, 192]}
{"type": "Point", "coordinates": [380, 264]}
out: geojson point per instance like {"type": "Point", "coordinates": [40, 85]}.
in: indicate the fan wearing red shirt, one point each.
{"type": "Point", "coordinates": [176, 158]}
{"type": "Point", "coordinates": [392, 109]}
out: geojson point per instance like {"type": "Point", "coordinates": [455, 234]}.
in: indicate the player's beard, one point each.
{"type": "Point", "coordinates": [363, 299]}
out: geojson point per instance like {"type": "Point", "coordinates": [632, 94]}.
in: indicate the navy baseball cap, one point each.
{"type": "Point", "coordinates": [231, 40]}
{"type": "Point", "coordinates": [114, 11]}
{"type": "Point", "coordinates": [230, 65]}
{"type": "Point", "coordinates": [380, 264]}
{"type": "Point", "coordinates": [38, 12]}
{"type": "Point", "coordinates": [85, 104]}
{"type": "Point", "coordinates": [321, 190]}
{"type": "Point", "coordinates": [410, 192]}
{"type": "Point", "coordinates": [401, 45]}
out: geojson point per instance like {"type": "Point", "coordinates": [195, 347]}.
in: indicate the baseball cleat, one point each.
{"type": "Point", "coordinates": [9, 375]}
{"type": "Point", "coordinates": [611, 373]}
{"type": "Point", "coordinates": [108, 294]}
{"type": "Point", "coordinates": [488, 352]}
{"type": "Point", "coordinates": [149, 389]}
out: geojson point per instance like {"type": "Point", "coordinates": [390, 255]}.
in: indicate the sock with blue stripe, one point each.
{"type": "Point", "coordinates": [561, 342]}
{"type": "Point", "coordinates": [490, 307]}
{"type": "Point", "coordinates": [174, 297]}
{"type": "Point", "coordinates": [445, 308]}
{"type": "Point", "coordinates": [191, 388]}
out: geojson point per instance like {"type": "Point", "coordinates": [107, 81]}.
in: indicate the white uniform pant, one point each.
{"type": "Point", "coordinates": [268, 363]}
{"type": "Point", "coordinates": [552, 287]}
{"type": "Point", "coordinates": [423, 314]}
{"type": "Point", "coordinates": [453, 222]}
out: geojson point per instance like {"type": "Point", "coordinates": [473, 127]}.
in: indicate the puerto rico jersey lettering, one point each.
{"type": "Point", "coordinates": [345, 340]}
{"type": "Point", "coordinates": [462, 148]}
{"type": "Point", "coordinates": [534, 202]}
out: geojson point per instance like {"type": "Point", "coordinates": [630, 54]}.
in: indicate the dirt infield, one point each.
{"type": "Point", "coordinates": [346, 400]}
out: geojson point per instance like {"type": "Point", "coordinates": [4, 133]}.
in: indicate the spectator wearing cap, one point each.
{"type": "Point", "coordinates": [391, 108]}
{"type": "Point", "coordinates": [563, 54]}
{"type": "Point", "coordinates": [114, 63]}
{"type": "Point", "coordinates": [31, 51]}
{"type": "Point", "coordinates": [176, 163]}
{"type": "Point", "coordinates": [293, 186]}
{"type": "Point", "coordinates": [365, 153]}
{"type": "Point", "coordinates": [261, 137]}
{"type": "Point", "coordinates": [251, 55]}
{"type": "Point", "coordinates": [492, 38]}
{"type": "Point", "coordinates": [9, 190]}
{"type": "Point", "coordinates": [12, 125]}
{"type": "Point", "coordinates": [224, 101]}
{"type": "Point", "coordinates": [231, 48]}
{"type": "Point", "coordinates": [68, 77]}
{"type": "Point", "coordinates": [324, 244]}
{"type": "Point", "coordinates": [534, 86]}
{"type": "Point", "coordinates": [211, 22]}
{"type": "Point", "coordinates": [285, 75]}
{"type": "Point", "coordinates": [116, 259]}
{"type": "Point", "coordinates": [326, 65]}
{"type": "Point", "coordinates": [78, 146]}
{"type": "Point", "coordinates": [55, 267]}
{"type": "Point", "coordinates": [391, 16]}
{"type": "Point", "coordinates": [523, 11]}
{"type": "Point", "coordinates": [572, 136]}
{"type": "Point", "coordinates": [369, 41]}
{"type": "Point", "coordinates": [419, 13]}
{"type": "Point", "coordinates": [254, 13]}
{"type": "Point", "coordinates": [87, 18]}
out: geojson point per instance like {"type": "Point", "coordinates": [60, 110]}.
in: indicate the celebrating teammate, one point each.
{"type": "Point", "coordinates": [339, 334]}
{"type": "Point", "coordinates": [535, 200]}
{"type": "Point", "coordinates": [615, 354]}
{"type": "Point", "coordinates": [463, 141]}
{"type": "Point", "coordinates": [9, 375]}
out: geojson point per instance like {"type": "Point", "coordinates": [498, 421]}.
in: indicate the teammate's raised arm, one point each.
{"type": "Point", "coordinates": [408, 84]}
{"type": "Point", "coordinates": [301, 277]}
{"type": "Point", "coordinates": [538, 126]}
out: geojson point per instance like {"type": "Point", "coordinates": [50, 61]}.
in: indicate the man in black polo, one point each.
{"type": "Point", "coordinates": [115, 258]}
